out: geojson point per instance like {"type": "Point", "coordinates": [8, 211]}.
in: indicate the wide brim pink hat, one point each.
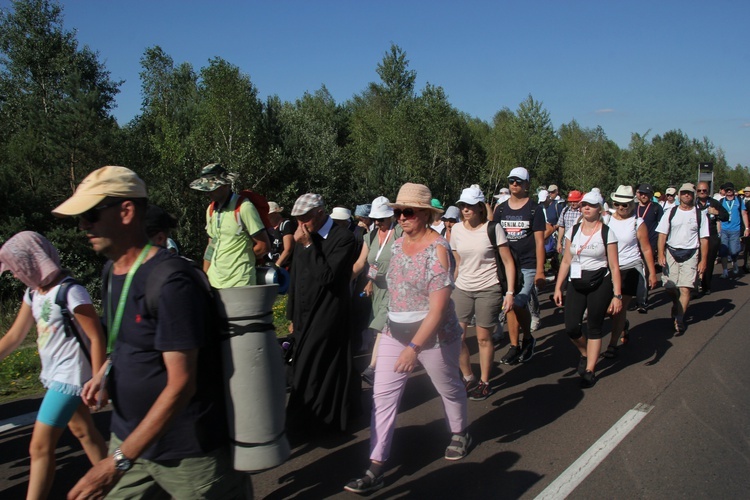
{"type": "Point", "coordinates": [415, 196]}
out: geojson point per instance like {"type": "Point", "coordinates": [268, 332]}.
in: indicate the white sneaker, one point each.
{"type": "Point", "coordinates": [725, 274]}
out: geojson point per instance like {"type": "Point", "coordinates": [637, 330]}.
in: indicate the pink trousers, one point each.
{"type": "Point", "coordinates": [441, 365]}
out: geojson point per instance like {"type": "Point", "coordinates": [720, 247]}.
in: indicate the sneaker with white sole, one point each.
{"type": "Point", "coordinates": [527, 349]}
{"type": "Point", "coordinates": [512, 356]}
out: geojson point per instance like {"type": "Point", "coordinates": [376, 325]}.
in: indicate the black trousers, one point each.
{"type": "Point", "coordinates": [714, 242]}
{"type": "Point", "coordinates": [596, 301]}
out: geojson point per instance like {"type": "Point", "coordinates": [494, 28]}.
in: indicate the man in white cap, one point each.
{"type": "Point", "coordinates": [683, 250]}
{"type": "Point", "coordinates": [671, 198]}
{"type": "Point", "coordinates": [168, 425]}
{"type": "Point", "coordinates": [524, 225]}
{"type": "Point", "coordinates": [236, 233]}
{"type": "Point", "coordinates": [324, 385]}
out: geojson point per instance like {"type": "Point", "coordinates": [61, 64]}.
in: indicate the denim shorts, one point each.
{"type": "Point", "coordinates": [730, 243]}
{"type": "Point", "coordinates": [522, 297]}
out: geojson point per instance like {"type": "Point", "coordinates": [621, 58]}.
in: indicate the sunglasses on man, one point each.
{"type": "Point", "coordinates": [92, 215]}
{"type": "Point", "coordinates": [515, 180]}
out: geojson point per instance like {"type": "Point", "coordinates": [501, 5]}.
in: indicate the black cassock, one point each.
{"type": "Point", "coordinates": [323, 382]}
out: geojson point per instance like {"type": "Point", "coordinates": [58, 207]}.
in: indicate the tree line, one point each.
{"type": "Point", "coordinates": [56, 102]}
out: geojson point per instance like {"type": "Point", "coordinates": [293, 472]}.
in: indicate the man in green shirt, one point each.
{"type": "Point", "coordinates": [235, 237]}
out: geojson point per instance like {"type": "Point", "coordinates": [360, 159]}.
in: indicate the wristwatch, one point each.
{"type": "Point", "coordinates": [618, 297]}
{"type": "Point", "coordinates": [417, 348]}
{"type": "Point", "coordinates": [122, 463]}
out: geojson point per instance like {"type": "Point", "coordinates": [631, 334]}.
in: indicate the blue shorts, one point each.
{"type": "Point", "coordinates": [730, 243]}
{"type": "Point", "coordinates": [522, 298]}
{"type": "Point", "coordinates": [57, 408]}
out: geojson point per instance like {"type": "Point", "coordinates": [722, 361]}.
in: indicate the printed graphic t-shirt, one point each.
{"type": "Point", "coordinates": [520, 229]}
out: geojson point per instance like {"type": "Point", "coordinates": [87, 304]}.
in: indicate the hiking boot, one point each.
{"type": "Point", "coordinates": [481, 392]}
{"type": "Point", "coordinates": [588, 379]}
{"type": "Point", "coordinates": [512, 356]}
{"type": "Point", "coordinates": [527, 349]}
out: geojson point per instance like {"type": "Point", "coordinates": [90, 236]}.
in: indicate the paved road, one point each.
{"type": "Point", "coordinates": [695, 442]}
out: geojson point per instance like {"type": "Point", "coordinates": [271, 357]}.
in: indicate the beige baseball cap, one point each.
{"type": "Point", "coordinates": [110, 181]}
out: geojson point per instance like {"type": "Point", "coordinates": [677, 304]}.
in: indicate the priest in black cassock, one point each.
{"type": "Point", "coordinates": [324, 384]}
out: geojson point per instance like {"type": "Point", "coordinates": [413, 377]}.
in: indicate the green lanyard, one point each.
{"type": "Point", "coordinates": [113, 327]}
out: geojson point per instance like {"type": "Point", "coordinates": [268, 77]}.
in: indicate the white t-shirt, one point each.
{"type": "Point", "coordinates": [64, 365]}
{"type": "Point", "coordinates": [627, 240]}
{"type": "Point", "coordinates": [478, 269]}
{"type": "Point", "coordinates": [439, 227]}
{"type": "Point", "coordinates": [684, 233]}
{"type": "Point", "coordinates": [592, 255]}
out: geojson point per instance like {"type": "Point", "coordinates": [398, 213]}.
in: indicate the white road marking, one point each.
{"type": "Point", "coordinates": [590, 460]}
{"type": "Point", "coordinates": [19, 421]}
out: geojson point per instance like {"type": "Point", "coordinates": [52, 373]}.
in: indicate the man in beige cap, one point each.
{"type": "Point", "coordinates": [683, 249]}
{"type": "Point", "coordinates": [236, 236]}
{"type": "Point", "coordinates": [168, 424]}
{"type": "Point", "coordinates": [324, 384]}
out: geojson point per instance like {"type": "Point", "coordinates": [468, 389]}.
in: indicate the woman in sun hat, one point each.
{"type": "Point", "coordinates": [632, 243]}
{"type": "Point", "coordinates": [590, 263]}
{"type": "Point", "coordinates": [478, 291]}
{"type": "Point", "coordinates": [422, 327]}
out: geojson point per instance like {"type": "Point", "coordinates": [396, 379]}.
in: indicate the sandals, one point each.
{"type": "Point", "coordinates": [458, 448]}
{"type": "Point", "coordinates": [366, 484]}
{"type": "Point", "coordinates": [611, 352]}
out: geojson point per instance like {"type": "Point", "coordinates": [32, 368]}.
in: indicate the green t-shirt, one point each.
{"type": "Point", "coordinates": [233, 260]}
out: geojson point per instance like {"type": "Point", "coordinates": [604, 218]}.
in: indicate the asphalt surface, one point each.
{"type": "Point", "coordinates": [694, 443]}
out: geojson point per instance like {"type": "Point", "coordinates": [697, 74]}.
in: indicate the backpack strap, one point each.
{"type": "Point", "coordinates": [61, 300]}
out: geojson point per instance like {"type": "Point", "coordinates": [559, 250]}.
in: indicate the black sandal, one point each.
{"type": "Point", "coordinates": [625, 333]}
{"type": "Point", "coordinates": [366, 484]}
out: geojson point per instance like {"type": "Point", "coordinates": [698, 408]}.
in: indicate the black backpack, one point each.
{"type": "Point", "coordinates": [61, 300]}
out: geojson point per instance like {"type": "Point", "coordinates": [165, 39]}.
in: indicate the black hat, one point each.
{"type": "Point", "coordinates": [728, 185]}
{"type": "Point", "coordinates": [646, 189]}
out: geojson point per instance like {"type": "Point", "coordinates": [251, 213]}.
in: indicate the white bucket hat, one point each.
{"type": "Point", "coordinates": [380, 208]}
{"type": "Point", "coordinates": [341, 213]}
{"type": "Point", "coordinates": [624, 194]}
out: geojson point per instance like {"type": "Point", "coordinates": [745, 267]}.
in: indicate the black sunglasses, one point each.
{"type": "Point", "coordinates": [92, 215]}
{"type": "Point", "coordinates": [515, 180]}
{"type": "Point", "coordinates": [618, 204]}
{"type": "Point", "coordinates": [670, 194]}
{"type": "Point", "coordinates": [702, 190]}
{"type": "Point", "coordinates": [408, 213]}
{"type": "Point", "coordinates": [687, 192]}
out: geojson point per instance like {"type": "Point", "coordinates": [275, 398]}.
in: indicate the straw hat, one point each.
{"type": "Point", "coordinates": [415, 196]}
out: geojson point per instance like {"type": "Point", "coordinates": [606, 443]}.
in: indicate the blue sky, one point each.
{"type": "Point", "coordinates": [634, 66]}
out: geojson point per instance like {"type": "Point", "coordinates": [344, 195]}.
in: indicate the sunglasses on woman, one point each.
{"type": "Point", "coordinates": [618, 204]}
{"type": "Point", "coordinates": [408, 213]}
{"type": "Point", "coordinates": [92, 215]}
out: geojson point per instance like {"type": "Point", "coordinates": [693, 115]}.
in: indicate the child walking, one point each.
{"type": "Point", "coordinates": [67, 357]}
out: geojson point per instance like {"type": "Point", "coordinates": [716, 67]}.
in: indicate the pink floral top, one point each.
{"type": "Point", "coordinates": [411, 280]}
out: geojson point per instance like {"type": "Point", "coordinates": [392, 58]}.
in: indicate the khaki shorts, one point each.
{"type": "Point", "coordinates": [207, 477]}
{"type": "Point", "coordinates": [486, 304]}
{"type": "Point", "coordinates": [680, 274]}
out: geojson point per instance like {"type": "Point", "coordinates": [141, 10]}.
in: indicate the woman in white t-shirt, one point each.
{"type": "Point", "coordinates": [632, 242]}
{"type": "Point", "coordinates": [478, 291]}
{"type": "Point", "coordinates": [590, 263]}
{"type": "Point", "coordinates": [63, 354]}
